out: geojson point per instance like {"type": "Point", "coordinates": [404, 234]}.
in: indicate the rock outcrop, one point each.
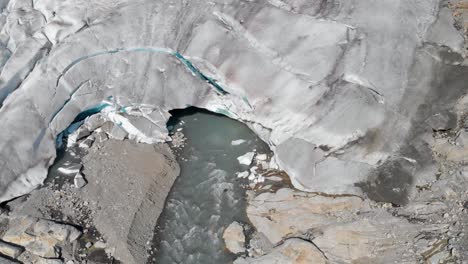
{"type": "Point", "coordinates": [348, 229]}
{"type": "Point", "coordinates": [33, 240]}
{"type": "Point", "coordinates": [288, 212]}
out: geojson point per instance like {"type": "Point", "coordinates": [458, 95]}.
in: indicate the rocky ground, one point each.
{"type": "Point", "coordinates": [105, 210]}
{"type": "Point", "coordinates": [297, 227]}
{"type": "Point", "coordinates": [102, 210]}
{"type": "Point", "coordinates": [113, 214]}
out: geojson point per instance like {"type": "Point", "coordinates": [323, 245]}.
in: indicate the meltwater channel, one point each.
{"type": "Point", "coordinates": [207, 196]}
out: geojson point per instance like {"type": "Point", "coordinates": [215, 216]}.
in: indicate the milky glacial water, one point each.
{"type": "Point", "coordinates": [207, 196]}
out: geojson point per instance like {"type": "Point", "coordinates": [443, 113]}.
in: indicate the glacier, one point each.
{"type": "Point", "coordinates": [338, 89]}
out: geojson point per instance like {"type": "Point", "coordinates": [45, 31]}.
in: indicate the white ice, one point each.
{"type": "Point", "coordinates": [246, 159]}
{"type": "Point", "coordinates": [338, 80]}
{"type": "Point", "coordinates": [238, 142]}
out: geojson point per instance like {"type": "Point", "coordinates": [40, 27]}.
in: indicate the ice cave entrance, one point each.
{"type": "Point", "coordinates": [207, 196]}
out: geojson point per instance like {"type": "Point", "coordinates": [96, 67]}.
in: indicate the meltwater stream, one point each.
{"type": "Point", "coordinates": [207, 196]}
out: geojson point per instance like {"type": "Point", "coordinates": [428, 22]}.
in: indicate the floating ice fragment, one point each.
{"type": "Point", "coordinates": [70, 169]}
{"type": "Point", "coordinates": [246, 159]}
{"type": "Point", "coordinates": [238, 142]}
{"type": "Point", "coordinates": [243, 174]}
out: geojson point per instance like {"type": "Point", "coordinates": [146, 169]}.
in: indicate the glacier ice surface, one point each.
{"type": "Point", "coordinates": [337, 98]}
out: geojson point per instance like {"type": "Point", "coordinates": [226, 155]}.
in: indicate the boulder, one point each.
{"type": "Point", "coordinates": [10, 250]}
{"type": "Point", "coordinates": [38, 236]}
{"type": "Point", "coordinates": [234, 238]}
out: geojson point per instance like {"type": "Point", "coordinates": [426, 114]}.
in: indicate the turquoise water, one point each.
{"type": "Point", "coordinates": [207, 196]}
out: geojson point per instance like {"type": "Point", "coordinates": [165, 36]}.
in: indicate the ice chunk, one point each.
{"type": "Point", "coordinates": [243, 174]}
{"type": "Point", "coordinates": [253, 169]}
{"type": "Point", "coordinates": [93, 122]}
{"type": "Point", "coordinates": [87, 143]}
{"type": "Point", "coordinates": [261, 157]}
{"type": "Point", "coordinates": [77, 135]}
{"type": "Point", "coordinates": [246, 159]}
{"type": "Point", "coordinates": [70, 169]}
{"type": "Point", "coordinates": [264, 164]}
{"type": "Point", "coordinates": [238, 142]}
{"type": "Point", "coordinates": [79, 181]}
{"type": "Point", "coordinates": [251, 177]}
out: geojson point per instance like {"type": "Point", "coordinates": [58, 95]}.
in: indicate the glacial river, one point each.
{"type": "Point", "coordinates": [207, 196]}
